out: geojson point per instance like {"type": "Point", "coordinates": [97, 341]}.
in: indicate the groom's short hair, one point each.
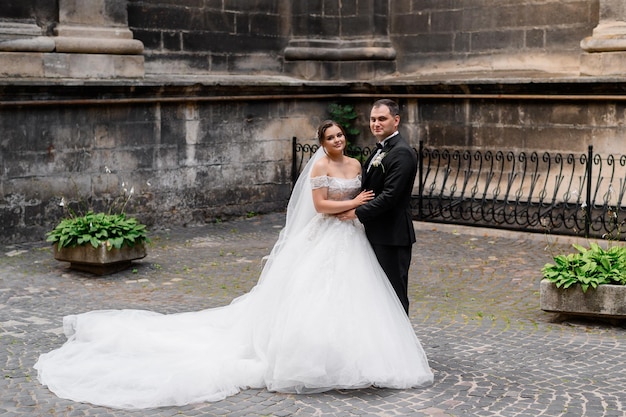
{"type": "Point", "coordinates": [393, 107]}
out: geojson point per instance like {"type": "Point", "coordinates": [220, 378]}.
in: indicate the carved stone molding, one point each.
{"type": "Point", "coordinates": [95, 27]}
{"type": "Point", "coordinates": [340, 50]}
{"type": "Point", "coordinates": [607, 37]}
{"type": "Point", "coordinates": [91, 40]}
{"type": "Point", "coordinates": [340, 39]}
{"type": "Point", "coordinates": [16, 36]}
{"type": "Point", "coordinates": [605, 50]}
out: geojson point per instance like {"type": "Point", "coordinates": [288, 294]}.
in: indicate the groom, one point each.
{"type": "Point", "coordinates": [390, 173]}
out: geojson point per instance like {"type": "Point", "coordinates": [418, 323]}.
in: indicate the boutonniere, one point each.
{"type": "Point", "coordinates": [378, 161]}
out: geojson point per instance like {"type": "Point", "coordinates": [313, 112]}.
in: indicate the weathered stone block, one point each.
{"type": "Point", "coordinates": [163, 17]}
{"type": "Point", "coordinates": [535, 38]}
{"type": "Point", "coordinates": [606, 300]}
{"type": "Point", "coordinates": [32, 10]}
{"type": "Point", "coordinates": [93, 66]}
{"type": "Point", "coordinates": [433, 42]}
{"type": "Point", "coordinates": [100, 260]}
{"type": "Point", "coordinates": [21, 64]}
{"type": "Point", "coordinates": [505, 39]}
{"type": "Point", "coordinates": [219, 21]}
{"type": "Point", "coordinates": [603, 63]}
{"type": "Point", "coordinates": [443, 21]}
{"type": "Point", "coordinates": [269, 5]}
{"type": "Point", "coordinates": [411, 24]}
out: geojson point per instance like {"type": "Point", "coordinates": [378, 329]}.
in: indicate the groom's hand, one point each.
{"type": "Point", "coordinates": [347, 215]}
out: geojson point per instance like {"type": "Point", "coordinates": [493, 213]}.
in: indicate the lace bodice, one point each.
{"type": "Point", "coordinates": [339, 189]}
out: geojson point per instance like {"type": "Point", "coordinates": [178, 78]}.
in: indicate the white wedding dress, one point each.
{"type": "Point", "coordinates": [322, 316]}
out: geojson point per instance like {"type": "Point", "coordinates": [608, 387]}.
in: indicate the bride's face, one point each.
{"type": "Point", "coordinates": [334, 141]}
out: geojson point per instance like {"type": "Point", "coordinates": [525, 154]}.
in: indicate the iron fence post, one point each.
{"type": "Point", "coordinates": [588, 196]}
{"type": "Point", "coordinates": [420, 179]}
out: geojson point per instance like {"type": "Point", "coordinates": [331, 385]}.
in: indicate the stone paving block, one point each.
{"type": "Point", "coordinates": [475, 307]}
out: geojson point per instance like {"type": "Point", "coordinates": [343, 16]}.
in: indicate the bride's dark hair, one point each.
{"type": "Point", "coordinates": [324, 127]}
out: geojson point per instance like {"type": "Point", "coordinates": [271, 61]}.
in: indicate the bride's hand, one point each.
{"type": "Point", "coordinates": [363, 197]}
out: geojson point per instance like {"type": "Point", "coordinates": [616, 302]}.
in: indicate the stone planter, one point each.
{"type": "Point", "coordinates": [605, 301]}
{"type": "Point", "coordinates": [100, 260]}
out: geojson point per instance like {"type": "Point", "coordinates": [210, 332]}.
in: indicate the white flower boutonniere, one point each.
{"type": "Point", "coordinates": [378, 161]}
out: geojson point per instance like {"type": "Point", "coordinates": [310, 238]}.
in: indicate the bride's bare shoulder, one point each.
{"type": "Point", "coordinates": [354, 161]}
{"type": "Point", "coordinates": [355, 164]}
{"type": "Point", "coordinates": [320, 168]}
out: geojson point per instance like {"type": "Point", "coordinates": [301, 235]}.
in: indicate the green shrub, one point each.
{"type": "Point", "coordinates": [588, 267]}
{"type": "Point", "coordinates": [112, 230]}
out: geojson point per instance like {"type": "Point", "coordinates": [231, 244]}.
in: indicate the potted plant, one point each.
{"type": "Point", "coordinates": [99, 242]}
{"type": "Point", "coordinates": [589, 282]}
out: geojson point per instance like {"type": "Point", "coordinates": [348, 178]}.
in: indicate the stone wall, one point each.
{"type": "Point", "coordinates": [552, 125]}
{"type": "Point", "coordinates": [509, 35]}
{"type": "Point", "coordinates": [197, 36]}
{"type": "Point", "coordinates": [331, 39]}
{"type": "Point", "coordinates": [193, 157]}
{"type": "Point", "coordinates": [186, 161]}
{"type": "Point", "coordinates": [192, 104]}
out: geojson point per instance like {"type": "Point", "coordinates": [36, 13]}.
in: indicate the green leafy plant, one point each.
{"type": "Point", "coordinates": [108, 226]}
{"type": "Point", "coordinates": [111, 230]}
{"type": "Point", "coordinates": [345, 115]}
{"type": "Point", "coordinates": [588, 267]}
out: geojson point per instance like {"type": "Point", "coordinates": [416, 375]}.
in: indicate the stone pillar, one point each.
{"type": "Point", "coordinates": [605, 50]}
{"type": "Point", "coordinates": [340, 39]}
{"type": "Point", "coordinates": [22, 45]}
{"type": "Point", "coordinates": [91, 40]}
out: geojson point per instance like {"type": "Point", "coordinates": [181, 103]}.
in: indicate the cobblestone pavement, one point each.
{"type": "Point", "coordinates": [475, 307]}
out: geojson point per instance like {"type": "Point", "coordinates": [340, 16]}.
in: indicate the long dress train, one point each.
{"type": "Point", "coordinates": [322, 316]}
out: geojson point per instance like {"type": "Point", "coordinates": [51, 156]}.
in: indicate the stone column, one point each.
{"type": "Point", "coordinates": [91, 40]}
{"type": "Point", "coordinates": [605, 50]}
{"type": "Point", "coordinates": [22, 45]}
{"type": "Point", "coordinates": [340, 39]}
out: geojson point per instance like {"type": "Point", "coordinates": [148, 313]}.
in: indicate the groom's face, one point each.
{"type": "Point", "coordinates": [382, 122]}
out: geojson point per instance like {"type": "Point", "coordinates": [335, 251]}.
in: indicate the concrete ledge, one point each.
{"type": "Point", "coordinates": [605, 301]}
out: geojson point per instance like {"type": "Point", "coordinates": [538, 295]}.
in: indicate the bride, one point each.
{"type": "Point", "coordinates": [322, 316]}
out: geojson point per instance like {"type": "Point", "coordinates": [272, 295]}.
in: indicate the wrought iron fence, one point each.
{"type": "Point", "coordinates": [303, 152]}
{"type": "Point", "coordinates": [544, 192]}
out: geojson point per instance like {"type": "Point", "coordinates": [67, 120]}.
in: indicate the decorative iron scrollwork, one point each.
{"type": "Point", "coordinates": [532, 191]}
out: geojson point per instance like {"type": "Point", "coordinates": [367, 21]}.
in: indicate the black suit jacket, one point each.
{"type": "Point", "coordinates": [387, 218]}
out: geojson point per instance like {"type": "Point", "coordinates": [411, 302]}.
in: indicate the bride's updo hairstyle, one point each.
{"type": "Point", "coordinates": [324, 127]}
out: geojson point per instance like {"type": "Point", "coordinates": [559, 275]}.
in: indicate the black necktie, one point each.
{"type": "Point", "coordinates": [379, 145]}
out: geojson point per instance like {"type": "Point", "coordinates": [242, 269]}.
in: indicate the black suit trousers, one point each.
{"type": "Point", "coordinates": [395, 261]}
